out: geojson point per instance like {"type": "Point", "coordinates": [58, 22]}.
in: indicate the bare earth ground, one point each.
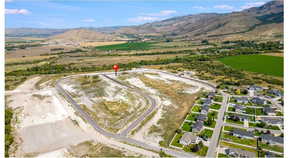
{"type": "Point", "coordinates": [47, 126]}
{"type": "Point", "coordinates": [174, 95]}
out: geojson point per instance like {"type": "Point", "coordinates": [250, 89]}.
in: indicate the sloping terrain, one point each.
{"type": "Point", "coordinates": [213, 25]}
{"type": "Point", "coordinates": [265, 22]}
{"type": "Point", "coordinates": [77, 36]}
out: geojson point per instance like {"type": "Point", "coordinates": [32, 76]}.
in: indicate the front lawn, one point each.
{"type": "Point", "coordinates": [196, 108]}
{"type": "Point", "coordinates": [176, 140]}
{"type": "Point", "coordinates": [218, 98]}
{"type": "Point", "coordinates": [250, 142]}
{"type": "Point", "coordinates": [212, 125]}
{"type": "Point", "coordinates": [187, 126]}
{"type": "Point", "coordinates": [229, 128]}
{"type": "Point", "coordinates": [215, 106]}
{"type": "Point", "coordinates": [206, 133]}
{"type": "Point", "coordinates": [192, 117]}
{"type": "Point", "coordinates": [272, 147]}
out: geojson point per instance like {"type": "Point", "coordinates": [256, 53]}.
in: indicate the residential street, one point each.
{"type": "Point", "coordinates": [122, 136]}
{"type": "Point", "coordinates": [217, 131]}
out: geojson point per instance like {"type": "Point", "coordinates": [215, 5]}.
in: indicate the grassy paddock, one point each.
{"type": "Point", "coordinates": [268, 65]}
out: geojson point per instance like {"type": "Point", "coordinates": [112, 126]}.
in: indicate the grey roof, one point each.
{"type": "Point", "coordinates": [239, 116]}
{"type": "Point", "coordinates": [239, 107]}
{"type": "Point", "coordinates": [272, 120]}
{"type": "Point", "coordinates": [257, 100]}
{"type": "Point", "coordinates": [197, 126]}
{"type": "Point", "coordinates": [243, 133]}
{"type": "Point", "coordinates": [239, 152]}
{"type": "Point", "coordinates": [202, 117]}
{"type": "Point", "coordinates": [269, 110]}
{"type": "Point", "coordinates": [188, 138]}
{"type": "Point", "coordinates": [242, 99]}
{"type": "Point", "coordinates": [205, 108]}
{"type": "Point", "coordinates": [211, 94]}
{"type": "Point", "coordinates": [271, 138]}
{"type": "Point", "coordinates": [275, 92]}
{"type": "Point", "coordinates": [207, 101]}
{"type": "Point", "coordinates": [254, 87]}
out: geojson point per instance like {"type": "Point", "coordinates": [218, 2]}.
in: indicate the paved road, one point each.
{"type": "Point", "coordinates": [121, 137]}
{"type": "Point", "coordinates": [144, 115]}
{"type": "Point", "coordinates": [217, 131]}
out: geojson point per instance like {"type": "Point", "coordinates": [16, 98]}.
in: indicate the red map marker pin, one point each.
{"type": "Point", "coordinates": [116, 67]}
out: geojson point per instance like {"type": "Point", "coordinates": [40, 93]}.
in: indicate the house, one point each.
{"type": "Point", "coordinates": [255, 88]}
{"type": "Point", "coordinates": [269, 111]}
{"type": "Point", "coordinates": [239, 108]}
{"type": "Point", "coordinates": [189, 138]}
{"type": "Point", "coordinates": [198, 126]}
{"type": "Point", "coordinates": [211, 95]}
{"type": "Point", "coordinates": [207, 101]}
{"type": "Point", "coordinates": [237, 117]}
{"type": "Point", "coordinates": [272, 121]}
{"type": "Point", "coordinates": [272, 140]}
{"type": "Point", "coordinates": [236, 152]}
{"type": "Point", "coordinates": [242, 100]}
{"type": "Point", "coordinates": [275, 92]}
{"type": "Point", "coordinates": [270, 155]}
{"type": "Point", "coordinates": [258, 101]}
{"type": "Point", "coordinates": [242, 134]}
{"type": "Point", "coordinates": [204, 109]}
{"type": "Point", "coordinates": [202, 117]}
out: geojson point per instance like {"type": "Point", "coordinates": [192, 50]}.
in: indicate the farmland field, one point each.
{"type": "Point", "coordinates": [269, 65]}
{"type": "Point", "coordinates": [126, 46]}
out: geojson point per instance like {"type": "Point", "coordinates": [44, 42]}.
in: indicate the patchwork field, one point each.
{"type": "Point", "coordinates": [126, 46]}
{"type": "Point", "coordinates": [268, 65]}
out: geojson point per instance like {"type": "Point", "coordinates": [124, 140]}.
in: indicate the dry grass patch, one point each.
{"type": "Point", "coordinates": [174, 115]}
{"type": "Point", "coordinates": [92, 149]}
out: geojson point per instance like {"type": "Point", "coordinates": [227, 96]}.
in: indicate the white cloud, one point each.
{"type": "Point", "coordinates": [8, 1]}
{"type": "Point", "coordinates": [225, 7]}
{"type": "Point", "coordinates": [90, 20]}
{"type": "Point", "coordinates": [162, 13]}
{"type": "Point", "coordinates": [198, 7]}
{"type": "Point", "coordinates": [17, 11]}
{"type": "Point", "coordinates": [149, 17]}
{"type": "Point", "coordinates": [252, 4]}
{"type": "Point", "coordinates": [144, 19]}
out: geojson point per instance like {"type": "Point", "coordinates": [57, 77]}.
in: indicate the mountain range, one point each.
{"type": "Point", "coordinates": [264, 22]}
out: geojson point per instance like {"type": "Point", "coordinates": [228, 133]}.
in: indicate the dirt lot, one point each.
{"type": "Point", "coordinates": [112, 106]}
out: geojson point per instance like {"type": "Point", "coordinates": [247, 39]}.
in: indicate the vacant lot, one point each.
{"type": "Point", "coordinates": [269, 65]}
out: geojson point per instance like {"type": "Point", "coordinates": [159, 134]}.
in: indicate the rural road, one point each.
{"type": "Point", "coordinates": [122, 136]}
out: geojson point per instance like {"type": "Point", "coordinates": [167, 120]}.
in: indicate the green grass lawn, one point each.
{"type": "Point", "coordinates": [187, 126]}
{"type": "Point", "coordinates": [207, 133]}
{"type": "Point", "coordinates": [250, 142]}
{"type": "Point", "coordinates": [196, 108]}
{"type": "Point", "coordinates": [215, 106]}
{"type": "Point", "coordinates": [272, 147]}
{"type": "Point", "coordinates": [176, 140]}
{"type": "Point", "coordinates": [218, 98]}
{"type": "Point", "coordinates": [126, 46]}
{"type": "Point", "coordinates": [229, 128]}
{"type": "Point", "coordinates": [269, 65]}
{"type": "Point", "coordinates": [212, 125]}
{"type": "Point", "coordinates": [192, 117]}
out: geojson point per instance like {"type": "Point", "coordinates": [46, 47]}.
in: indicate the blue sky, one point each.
{"type": "Point", "coordinates": [99, 13]}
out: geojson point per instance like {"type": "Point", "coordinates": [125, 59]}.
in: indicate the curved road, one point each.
{"type": "Point", "coordinates": [122, 136]}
